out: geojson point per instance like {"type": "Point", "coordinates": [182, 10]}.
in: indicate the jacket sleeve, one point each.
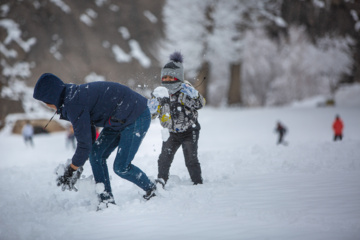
{"type": "Point", "coordinates": [79, 116]}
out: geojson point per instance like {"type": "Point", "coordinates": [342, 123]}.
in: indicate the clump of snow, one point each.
{"type": "Point", "coordinates": [15, 90]}
{"type": "Point", "coordinates": [99, 188]}
{"type": "Point", "coordinates": [88, 17]}
{"type": "Point", "coordinates": [124, 32]}
{"type": "Point", "coordinates": [149, 15]}
{"type": "Point", "coordinates": [54, 48]}
{"type": "Point", "coordinates": [91, 13]}
{"type": "Point", "coordinates": [9, 53]}
{"type": "Point", "coordinates": [4, 10]}
{"type": "Point", "coordinates": [36, 4]}
{"type": "Point", "coordinates": [93, 77]}
{"type": "Point", "coordinates": [354, 15]}
{"type": "Point", "coordinates": [63, 6]}
{"type": "Point", "coordinates": [60, 169]}
{"type": "Point", "coordinates": [161, 92]}
{"type": "Point", "coordinates": [120, 55]}
{"type": "Point", "coordinates": [357, 26]}
{"type": "Point", "coordinates": [135, 52]}
{"type": "Point", "coordinates": [165, 134]}
{"type": "Point", "coordinates": [100, 3]}
{"type": "Point", "coordinates": [19, 69]}
{"type": "Point", "coordinates": [14, 34]}
{"type": "Point", "coordinates": [319, 3]}
{"type": "Point", "coordinates": [356, 18]}
{"type": "Point", "coordinates": [114, 8]}
{"type": "Point", "coordinates": [106, 44]}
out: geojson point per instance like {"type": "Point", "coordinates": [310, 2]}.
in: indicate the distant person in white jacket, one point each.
{"type": "Point", "coordinates": [28, 132]}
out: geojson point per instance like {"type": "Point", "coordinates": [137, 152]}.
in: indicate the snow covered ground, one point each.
{"type": "Point", "coordinates": [253, 188]}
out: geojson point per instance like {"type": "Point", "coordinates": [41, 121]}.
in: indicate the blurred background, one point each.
{"type": "Point", "coordinates": [237, 53]}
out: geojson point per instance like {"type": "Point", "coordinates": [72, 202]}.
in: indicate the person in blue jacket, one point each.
{"type": "Point", "coordinates": [124, 116]}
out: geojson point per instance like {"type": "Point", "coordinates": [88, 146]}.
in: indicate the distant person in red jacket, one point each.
{"type": "Point", "coordinates": [338, 127]}
{"type": "Point", "coordinates": [281, 130]}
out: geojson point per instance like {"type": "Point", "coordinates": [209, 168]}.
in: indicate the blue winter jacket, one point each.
{"type": "Point", "coordinates": [100, 104]}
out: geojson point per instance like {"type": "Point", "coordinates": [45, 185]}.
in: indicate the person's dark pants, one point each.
{"type": "Point", "coordinates": [280, 140]}
{"type": "Point", "coordinates": [128, 141]}
{"type": "Point", "coordinates": [29, 139]}
{"type": "Point", "coordinates": [189, 142]}
{"type": "Point", "coordinates": [338, 136]}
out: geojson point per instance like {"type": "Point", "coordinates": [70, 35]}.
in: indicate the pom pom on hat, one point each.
{"type": "Point", "coordinates": [176, 57]}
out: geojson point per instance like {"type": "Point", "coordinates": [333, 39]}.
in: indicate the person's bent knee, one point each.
{"type": "Point", "coordinates": [121, 171]}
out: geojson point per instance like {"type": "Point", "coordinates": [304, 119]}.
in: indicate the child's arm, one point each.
{"type": "Point", "coordinates": [157, 100]}
{"type": "Point", "coordinates": [190, 97]}
{"type": "Point", "coordinates": [200, 102]}
{"type": "Point", "coordinates": [195, 103]}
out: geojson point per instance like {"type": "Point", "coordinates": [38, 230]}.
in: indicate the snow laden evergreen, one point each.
{"type": "Point", "coordinates": [274, 71]}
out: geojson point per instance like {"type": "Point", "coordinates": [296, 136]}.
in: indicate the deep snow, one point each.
{"type": "Point", "coordinates": [253, 189]}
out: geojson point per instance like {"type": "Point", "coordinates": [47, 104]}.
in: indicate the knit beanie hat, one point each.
{"type": "Point", "coordinates": [175, 69]}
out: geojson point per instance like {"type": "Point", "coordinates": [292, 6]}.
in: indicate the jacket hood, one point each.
{"type": "Point", "coordinates": [49, 89]}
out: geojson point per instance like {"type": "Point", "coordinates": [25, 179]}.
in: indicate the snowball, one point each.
{"type": "Point", "coordinates": [99, 188]}
{"type": "Point", "coordinates": [165, 134]}
{"type": "Point", "coordinates": [161, 92]}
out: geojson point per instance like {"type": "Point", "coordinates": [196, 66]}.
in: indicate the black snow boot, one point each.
{"type": "Point", "coordinates": [105, 204]}
{"type": "Point", "coordinates": [150, 193]}
{"type": "Point", "coordinates": [105, 199]}
{"type": "Point", "coordinates": [161, 182]}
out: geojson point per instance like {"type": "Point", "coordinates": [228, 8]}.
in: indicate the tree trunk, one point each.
{"type": "Point", "coordinates": [234, 96]}
{"type": "Point", "coordinates": [203, 79]}
{"type": "Point", "coordinates": [8, 106]}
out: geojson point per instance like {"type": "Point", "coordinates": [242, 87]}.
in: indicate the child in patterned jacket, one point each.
{"type": "Point", "coordinates": [176, 103]}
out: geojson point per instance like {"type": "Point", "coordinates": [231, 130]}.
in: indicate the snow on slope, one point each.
{"type": "Point", "coordinates": [253, 189]}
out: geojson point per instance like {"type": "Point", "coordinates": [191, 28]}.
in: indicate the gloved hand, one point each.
{"type": "Point", "coordinates": [68, 179]}
{"type": "Point", "coordinates": [189, 90]}
{"type": "Point", "coordinates": [153, 105]}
